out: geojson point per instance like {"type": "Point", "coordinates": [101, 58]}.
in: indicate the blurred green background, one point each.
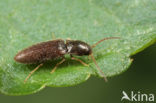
{"type": "Point", "coordinates": [141, 76]}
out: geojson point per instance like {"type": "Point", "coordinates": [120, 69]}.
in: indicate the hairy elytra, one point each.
{"type": "Point", "coordinates": [54, 49]}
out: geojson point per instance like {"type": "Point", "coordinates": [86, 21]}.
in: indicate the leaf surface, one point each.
{"type": "Point", "coordinates": [26, 22]}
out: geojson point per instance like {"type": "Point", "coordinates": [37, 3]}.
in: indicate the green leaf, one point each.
{"type": "Point", "coordinates": [26, 22]}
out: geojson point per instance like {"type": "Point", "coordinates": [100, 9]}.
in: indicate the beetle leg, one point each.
{"type": "Point", "coordinates": [83, 63]}
{"type": "Point", "coordinates": [53, 36]}
{"type": "Point", "coordinates": [32, 72]}
{"type": "Point", "coordinates": [53, 70]}
{"type": "Point", "coordinates": [68, 38]}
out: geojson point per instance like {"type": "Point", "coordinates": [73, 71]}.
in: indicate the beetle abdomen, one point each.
{"type": "Point", "coordinates": [42, 52]}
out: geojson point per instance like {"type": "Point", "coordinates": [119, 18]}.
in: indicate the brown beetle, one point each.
{"type": "Point", "coordinates": [54, 49]}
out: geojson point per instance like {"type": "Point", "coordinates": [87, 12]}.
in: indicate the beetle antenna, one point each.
{"type": "Point", "coordinates": [94, 45]}
{"type": "Point", "coordinates": [98, 67]}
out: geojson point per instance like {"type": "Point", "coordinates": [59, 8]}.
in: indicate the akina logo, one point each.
{"type": "Point", "coordinates": [137, 96]}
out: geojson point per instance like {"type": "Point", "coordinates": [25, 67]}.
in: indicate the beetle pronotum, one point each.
{"type": "Point", "coordinates": [54, 49]}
